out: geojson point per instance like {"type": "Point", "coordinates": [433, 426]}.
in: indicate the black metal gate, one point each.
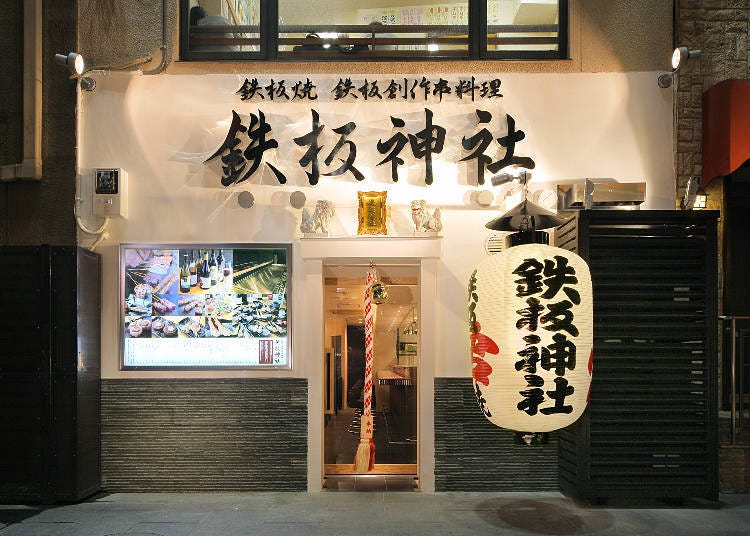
{"type": "Point", "coordinates": [651, 427]}
{"type": "Point", "coordinates": [49, 374]}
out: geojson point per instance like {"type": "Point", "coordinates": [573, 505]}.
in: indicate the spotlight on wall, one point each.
{"type": "Point", "coordinates": [681, 55]}
{"type": "Point", "coordinates": [502, 178]}
{"type": "Point", "coordinates": [73, 61]}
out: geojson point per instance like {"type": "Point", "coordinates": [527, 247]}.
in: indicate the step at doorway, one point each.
{"type": "Point", "coordinates": [390, 483]}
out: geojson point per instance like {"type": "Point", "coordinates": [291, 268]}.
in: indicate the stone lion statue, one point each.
{"type": "Point", "coordinates": [425, 222]}
{"type": "Point", "coordinates": [320, 219]}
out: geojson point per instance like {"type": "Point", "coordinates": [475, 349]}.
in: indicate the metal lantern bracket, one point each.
{"type": "Point", "coordinates": [527, 218]}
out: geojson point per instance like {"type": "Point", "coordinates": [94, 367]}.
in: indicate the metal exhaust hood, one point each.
{"type": "Point", "coordinates": [607, 193]}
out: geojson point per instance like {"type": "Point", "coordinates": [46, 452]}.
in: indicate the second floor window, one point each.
{"type": "Point", "coordinates": [372, 30]}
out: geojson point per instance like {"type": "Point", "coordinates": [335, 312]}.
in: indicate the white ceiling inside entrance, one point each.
{"type": "Point", "coordinates": [345, 287]}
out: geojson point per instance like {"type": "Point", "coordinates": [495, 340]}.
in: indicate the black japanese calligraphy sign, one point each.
{"type": "Point", "coordinates": [531, 328]}
{"type": "Point", "coordinates": [291, 129]}
{"type": "Point", "coordinates": [241, 152]}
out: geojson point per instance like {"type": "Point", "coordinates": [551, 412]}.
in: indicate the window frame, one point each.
{"type": "Point", "coordinates": [476, 49]}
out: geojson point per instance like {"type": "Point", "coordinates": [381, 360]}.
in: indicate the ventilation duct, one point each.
{"type": "Point", "coordinates": [605, 194]}
{"type": "Point", "coordinates": [494, 243]}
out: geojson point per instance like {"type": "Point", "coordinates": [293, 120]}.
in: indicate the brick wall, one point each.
{"type": "Point", "coordinates": [719, 28]}
{"type": "Point", "coordinates": [734, 469]}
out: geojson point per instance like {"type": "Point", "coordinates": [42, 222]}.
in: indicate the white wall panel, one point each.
{"type": "Point", "coordinates": [160, 129]}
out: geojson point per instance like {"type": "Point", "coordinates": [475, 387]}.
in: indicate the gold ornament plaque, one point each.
{"type": "Point", "coordinates": [372, 213]}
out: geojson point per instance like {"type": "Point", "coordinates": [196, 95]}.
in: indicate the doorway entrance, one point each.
{"type": "Point", "coordinates": [395, 376]}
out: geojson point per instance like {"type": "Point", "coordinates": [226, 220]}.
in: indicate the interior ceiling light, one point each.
{"type": "Point", "coordinates": [73, 61]}
{"type": "Point", "coordinates": [681, 55]}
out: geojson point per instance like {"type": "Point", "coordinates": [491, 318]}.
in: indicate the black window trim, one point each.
{"type": "Point", "coordinates": [477, 41]}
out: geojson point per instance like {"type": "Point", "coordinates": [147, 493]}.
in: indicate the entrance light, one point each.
{"type": "Point", "coordinates": [681, 55]}
{"type": "Point", "coordinates": [73, 61]}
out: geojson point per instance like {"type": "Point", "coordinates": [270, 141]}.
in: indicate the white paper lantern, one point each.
{"type": "Point", "coordinates": [531, 322]}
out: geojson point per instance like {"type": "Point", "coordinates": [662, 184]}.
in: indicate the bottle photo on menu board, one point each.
{"type": "Point", "coordinates": [193, 306]}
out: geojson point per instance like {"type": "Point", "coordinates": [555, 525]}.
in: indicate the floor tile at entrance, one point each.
{"type": "Point", "coordinates": [370, 483]}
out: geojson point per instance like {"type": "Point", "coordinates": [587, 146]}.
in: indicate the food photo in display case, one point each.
{"type": "Point", "coordinates": [205, 306]}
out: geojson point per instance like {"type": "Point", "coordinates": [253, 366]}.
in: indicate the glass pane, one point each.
{"type": "Point", "coordinates": [522, 25]}
{"type": "Point", "coordinates": [371, 29]}
{"type": "Point", "coordinates": [224, 26]}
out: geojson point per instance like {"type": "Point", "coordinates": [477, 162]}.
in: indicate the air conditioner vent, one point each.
{"type": "Point", "coordinates": [494, 243]}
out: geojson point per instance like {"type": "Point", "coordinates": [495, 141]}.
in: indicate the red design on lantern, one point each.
{"type": "Point", "coordinates": [481, 344]}
{"type": "Point", "coordinates": [591, 371]}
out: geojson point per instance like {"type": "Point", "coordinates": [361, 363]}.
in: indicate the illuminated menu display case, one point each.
{"type": "Point", "coordinates": [203, 306]}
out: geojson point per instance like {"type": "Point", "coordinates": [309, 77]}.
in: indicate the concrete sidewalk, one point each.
{"type": "Point", "coordinates": [373, 513]}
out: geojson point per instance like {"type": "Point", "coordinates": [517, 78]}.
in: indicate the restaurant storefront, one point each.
{"type": "Point", "coordinates": [265, 164]}
{"type": "Point", "coordinates": [173, 133]}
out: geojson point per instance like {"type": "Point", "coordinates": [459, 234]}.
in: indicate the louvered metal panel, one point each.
{"type": "Point", "coordinates": [650, 430]}
{"type": "Point", "coordinates": [495, 242]}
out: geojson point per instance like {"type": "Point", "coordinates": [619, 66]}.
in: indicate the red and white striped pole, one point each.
{"type": "Point", "coordinates": [365, 457]}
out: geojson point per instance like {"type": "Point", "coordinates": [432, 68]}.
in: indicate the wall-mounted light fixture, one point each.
{"type": "Point", "coordinates": [73, 61]}
{"type": "Point", "coordinates": [701, 199]}
{"type": "Point", "coordinates": [76, 66]}
{"type": "Point", "coordinates": [695, 197]}
{"type": "Point", "coordinates": [691, 189]}
{"type": "Point", "coordinates": [681, 55]}
{"type": "Point", "coordinates": [502, 178]}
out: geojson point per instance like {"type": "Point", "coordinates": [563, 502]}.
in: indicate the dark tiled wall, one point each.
{"type": "Point", "coordinates": [204, 435]}
{"type": "Point", "coordinates": [472, 454]}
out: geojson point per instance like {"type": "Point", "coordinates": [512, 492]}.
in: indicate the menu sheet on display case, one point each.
{"type": "Point", "coordinates": [205, 306]}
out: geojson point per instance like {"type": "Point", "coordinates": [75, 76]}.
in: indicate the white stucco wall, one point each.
{"type": "Point", "coordinates": [160, 129]}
